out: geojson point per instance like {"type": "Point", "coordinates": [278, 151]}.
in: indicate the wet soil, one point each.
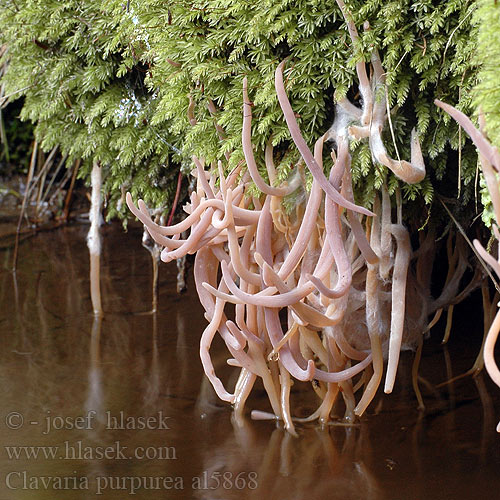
{"type": "Point", "coordinates": [120, 408]}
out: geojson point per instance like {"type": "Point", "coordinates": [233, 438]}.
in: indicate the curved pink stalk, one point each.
{"type": "Point", "coordinates": [215, 314]}
{"type": "Point", "coordinates": [357, 230]}
{"type": "Point", "coordinates": [305, 312]}
{"type": "Point", "coordinates": [190, 244]}
{"type": "Point", "coordinates": [238, 255]}
{"type": "Point", "coordinates": [268, 156]}
{"type": "Point", "coordinates": [408, 172]}
{"type": "Point", "coordinates": [215, 237]}
{"type": "Point", "coordinates": [277, 301]}
{"type": "Point", "coordinates": [227, 219]}
{"type": "Point", "coordinates": [332, 226]}
{"type": "Point", "coordinates": [489, 351]}
{"type": "Point", "coordinates": [299, 141]}
{"type": "Point", "coordinates": [275, 333]}
{"type": "Point", "coordinates": [267, 297]}
{"type": "Point", "coordinates": [222, 180]}
{"type": "Point", "coordinates": [246, 138]}
{"type": "Point", "coordinates": [489, 259]}
{"type": "Point", "coordinates": [205, 269]}
{"type": "Point", "coordinates": [233, 175]}
{"type": "Point", "coordinates": [308, 222]}
{"type": "Point", "coordinates": [264, 231]}
{"type": "Point", "coordinates": [386, 262]}
{"type": "Point", "coordinates": [206, 266]}
{"type": "Point", "coordinates": [323, 289]}
{"type": "Point", "coordinates": [206, 341]}
{"type": "Point", "coordinates": [170, 243]}
{"type": "Point", "coordinates": [364, 82]}
{"type": "Point", "coordinates": [242, 216]}
{"type": "Point", "coordinates": [346, 374]}
{"type": "Point", "coordinates": [201, 176]}
{"type": "Point", "coordinates": [287, 298]}
{"type": "Point", "coordinates": [145, 218]}
{"type": "Point", "coordinates": [336, 333]}
{"type": "Point", "coordinates": [401, 263]}
{"type": "Point", "coordinates": [245, 334]}
{"type": "Point", "coordinates": [243, 358]}
{"type": "Point", "coordinates": [487, 150]}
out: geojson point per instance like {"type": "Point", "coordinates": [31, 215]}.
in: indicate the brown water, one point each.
{"type": "Point", "coordinates": [67, 382]}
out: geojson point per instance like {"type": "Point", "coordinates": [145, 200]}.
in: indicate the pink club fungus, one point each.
{"type": "Point", "coordinates": [320, 296]}
{"type": "Point", "coordinates": [322, 270]}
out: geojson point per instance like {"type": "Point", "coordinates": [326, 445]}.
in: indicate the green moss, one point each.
{"type": "Point", "coordinates": [84, 91]}
{"type": "Point", "coordinates": [113, 84]}
{"type": "Point", "coordinates": [426, 49]}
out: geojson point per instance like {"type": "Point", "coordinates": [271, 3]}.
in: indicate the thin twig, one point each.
{"type": "Point", "coordinates": [176, 199]}
{"type": "Point", "coordinates": [70, 190]}
{"type": "Point", "coordinates": [488, 272]}
{"type": "Point", "coordinates": [23, 207]}
{"type": "Point", "coordinates": [54, 176]}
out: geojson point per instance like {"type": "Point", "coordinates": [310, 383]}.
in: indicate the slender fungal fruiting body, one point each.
{"type": "Point", "coordinates": [94, 239]}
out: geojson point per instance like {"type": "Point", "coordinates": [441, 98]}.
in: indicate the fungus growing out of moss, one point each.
{"type": "Point", "coordinates": [342, 285]}
{"type": "Point", "coordinates": [324, 293]}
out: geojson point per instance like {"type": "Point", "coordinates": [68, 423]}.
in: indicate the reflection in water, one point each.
{"type": "Point", "coordinates": [94, 403]}
{"type": "Point", "coordinates": [58, 363]}
{"type": "Point", "coordinates": [324, 463]}
{"type": "Point", "coordinates": [94, 398]}
{"type": "Point", "coordinates": [152, 379]}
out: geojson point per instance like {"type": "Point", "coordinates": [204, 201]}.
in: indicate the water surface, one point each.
{"type": "Point", "coordinates": [120, 408]}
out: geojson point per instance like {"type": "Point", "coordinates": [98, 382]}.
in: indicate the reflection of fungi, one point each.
{"type": "Point", "coordinates": [94, 401]}
{"type": "Point", "coordinates": [326, 462]}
